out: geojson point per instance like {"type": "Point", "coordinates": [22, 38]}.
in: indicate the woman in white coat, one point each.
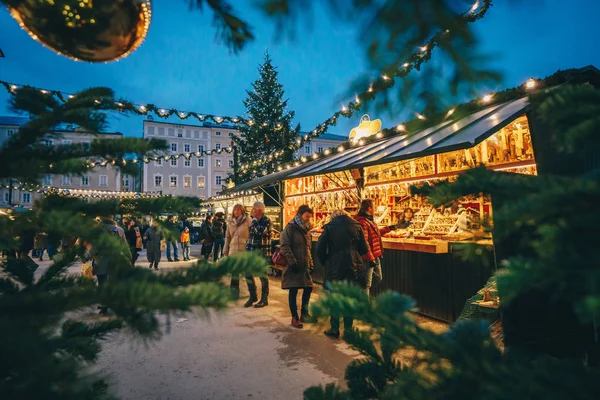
{"type": "Point", "coordinates": [238, 230]}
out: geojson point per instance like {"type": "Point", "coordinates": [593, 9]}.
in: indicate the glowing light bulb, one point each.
{"type": "Point", "coordinates": [385, 77]}
{"type": "Point", "coordinates": [370, 89]}
{"type": "Point", "coordinates": [406, 65]}
{"type": "Point", "coordinates": [356, 100]}
{"type": "Point", "coordinates": [530, 84]}
{"type": "Point", "coordinates": [475, 6]}
{"type": "Point", "coordinates": [315, 156]}
{"type": "Point", "coordinates": [379, 135]}
{"type": "Point", "coordinates": [487, 98]}
{"type": "Point", "coordinates": [420, 116]}
{"type": "Point", "coordinates": [340, 149]}
{"type": "Point", "coordinates": [327, 152]}
{"type": "Point", "coordinates": [361, 142]}
{"type": "Point", "coordinates": [450, 112]}
{"type": "Point", "coordinates": [400, 127]}
{"type": "Point", "coordinates": [424, 48]}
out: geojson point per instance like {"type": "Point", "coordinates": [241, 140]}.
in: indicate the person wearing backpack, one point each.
{"type": "Point", "coordinates": [218, 231]}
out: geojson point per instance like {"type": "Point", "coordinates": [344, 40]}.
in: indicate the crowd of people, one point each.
{"type": "Point", "coordinates": [349, 248]}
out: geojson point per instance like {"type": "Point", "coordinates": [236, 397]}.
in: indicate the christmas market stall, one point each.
{"type": "Point", "coordinates": [421, 259]}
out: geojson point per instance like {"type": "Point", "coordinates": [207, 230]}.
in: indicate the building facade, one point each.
{"type": "Point", "coordinates": [196, 174]}
{"type": "Point", "coordinates": [100, 178]}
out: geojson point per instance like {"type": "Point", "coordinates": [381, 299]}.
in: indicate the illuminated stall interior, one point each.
{"type": "Point", "coordinates": [225, 203]}
{"type": "Point", "coordinates": [497, 137]}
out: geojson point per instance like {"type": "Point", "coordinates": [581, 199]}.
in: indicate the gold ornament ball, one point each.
{"type": "Point", "coordinates": [86, 30]}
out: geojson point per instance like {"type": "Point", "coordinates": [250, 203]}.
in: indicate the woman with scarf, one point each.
{"type": "Point", "coordinates": [295, 247]}
{"type": "Point", "coordinates": [238, 230]}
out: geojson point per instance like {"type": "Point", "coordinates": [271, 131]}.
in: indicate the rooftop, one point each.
{"type": "Point", "coordinates": [20, 121]}
{"type": "Point", "coordinates": [199, 125]}
{"type": "Point", "coordinates": [327, 136]}
{"type": "Point", "coordinates": [13, 121]}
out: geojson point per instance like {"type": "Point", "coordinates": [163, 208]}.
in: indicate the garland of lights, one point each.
{"type": "Point", "coordinates": [51, 190]}
{"type": "Point", "coordinates": [421, 121]}
{"type": "Point", "coordinates": [146, 160]}
{"type": "Point", "coordinates": [385, 82]}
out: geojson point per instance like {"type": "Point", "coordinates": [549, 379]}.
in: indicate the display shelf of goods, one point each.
{"type": "Point", "coordinates": [418, 167]}
{"type": "Point", "coordinates": [441, 224]}
{"type": "Point", "coordinates": [511, 144]}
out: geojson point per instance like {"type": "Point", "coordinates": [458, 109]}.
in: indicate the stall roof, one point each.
{"type": "Point", "coordinates": [446, 136]}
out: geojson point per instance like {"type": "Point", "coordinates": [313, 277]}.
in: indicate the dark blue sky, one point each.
{"type": "Point", "coordinates": [180, 65]}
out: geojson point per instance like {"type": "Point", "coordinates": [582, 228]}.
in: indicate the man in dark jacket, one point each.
{"type": "Point", "coordinates": [206, 237]}
{"type": "Point", "coordinates": [218, 231]}
{"type": "Point", "coordinates": [259, 240]}
{"type": "Point", "coordinates": [134, 239]}
{"type": "Point", "coordinates": [340, 249]}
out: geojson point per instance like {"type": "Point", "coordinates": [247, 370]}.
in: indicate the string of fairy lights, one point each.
{"type": "Point", "coordinates": [83, 193]}
{"type": "Point", "coordinates": [148, 159]}
{"type": "Point", "coordinates": [401, 128]}
{"type": "Point", "coordinates": [385, 81]}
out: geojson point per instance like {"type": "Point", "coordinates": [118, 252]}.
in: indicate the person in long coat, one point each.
{"type": "Point", "coordinates": [295, 246]}
{"type": "Point", "coordinates": [340, 249]}
{"type": "Point", "coordinates": [236, 236]}
{"type": "Point", "coordinates": [153, 238]}
{"type": "Point", "coordinates": [206, 237]}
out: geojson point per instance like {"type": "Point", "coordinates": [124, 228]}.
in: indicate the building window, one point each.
{"type": "Point", "coordinates": [103, 180]}
{"type": "Point", "coordinates": [188, 134]}
{"type": "Point", "coordinates": [67, 142]}
{"type": "Point", "coordinates": [218, 180]}
{"type": "Point", "coordinates": [10, 133]}
{"type": "Point", "coordinates": [187, 181]}
{"type": "Point", "coordinates": [47, 180]}
{"type": "Point", "coordinates": [161, 131]}
{"type": "Point", "coordinates": [173, 162]}
{"type": "Point", "coordinates": [201, 148]}
{"type": "Point", "coordinates": [150, 130]}
{"type": "Point", "coordinates": [230, 134]}
{"type": "Point", "coordinates": [158, 180]}
{"type": "Point", "coordinates": [126, 182]}
{"type": "Point", "coordinates": [187, 163]}
{"type": "Point", "coordinates": [187, 147]}
{"type": "Point", "coordinates": [49, 142]}
{"type": "Point", "coordinates": [217, 133]}
{"type": "Point", "coordinates": [27, 198]}
{"type": "Point", "coordinates": [230, 163]}
{"type": "Point", "coordinates": [85, 180]}
{"type": "Point", "coordinates": [66, 180]}
{"type": "Point", "coordinates": [196, 134]}
{"type": "Point", "coordinates": [306, 149]}
{"type": "Point", "coordinates": [201, 182]}
{"type": "Point", "coordinates": [179, 132]}
{"type": "Point", "coordinates": [319, 149]}
{"type": "Point", "coordinates": [173, 181]}
{"type": "Point", "coordinates": [218, 146]}
{"type": "Point", "coordinates": [218, 162]}
{"type": "Point", "coordinates": [201, 163]}
{"type": "Point", "coordinates": [6, 197]}
{"type": "Point", "coordinates": [87, 146]}
{"type": "Point", "coordinates": [171, 131]}
{"type": "Point", "coordinates": [158, 162]}
{"type": "Point", "coordinates": [173, 146]}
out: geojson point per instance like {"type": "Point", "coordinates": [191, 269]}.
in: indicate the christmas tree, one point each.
{"type": "Point", "coordinates": [51, 333]}
{"type": "Point", "coordinates": [271, 134]}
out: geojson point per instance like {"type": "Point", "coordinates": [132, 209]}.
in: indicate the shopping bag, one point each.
{"type": "Point", "coordinates": [279, 259]}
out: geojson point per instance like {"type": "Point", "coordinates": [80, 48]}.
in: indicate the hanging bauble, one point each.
{"type": "Point", "coordinates": [86, 30]}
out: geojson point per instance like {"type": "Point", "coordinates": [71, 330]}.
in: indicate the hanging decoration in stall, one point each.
{"type": "Point", "coordinates": [85, 30]}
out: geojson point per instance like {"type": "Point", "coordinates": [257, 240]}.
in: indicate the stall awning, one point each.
{"type": "Point", "coordinates": [448, 136]}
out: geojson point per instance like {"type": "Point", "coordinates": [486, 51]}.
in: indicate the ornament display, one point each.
{"type": "Point", "coordinates": [85, 30]}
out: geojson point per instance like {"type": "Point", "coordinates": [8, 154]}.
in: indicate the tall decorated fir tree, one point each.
{"type": "Point", "coordinates": [271, 133]}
